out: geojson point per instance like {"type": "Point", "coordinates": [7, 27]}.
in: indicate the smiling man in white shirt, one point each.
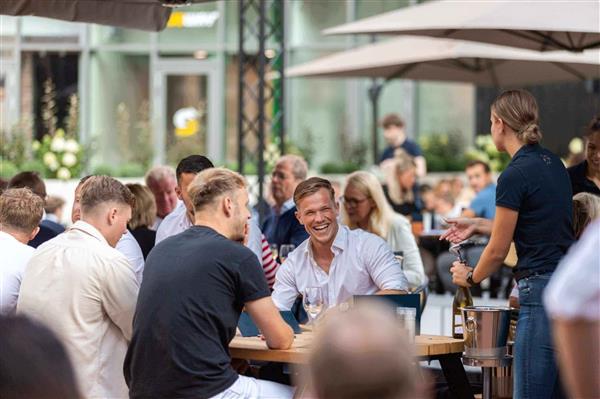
{"type": "Point", "coordinates": [341, 261]}
{"type": "Point", "coordinates": [20, 214]}
{"type": "Point", "coordinates": [85, 290]}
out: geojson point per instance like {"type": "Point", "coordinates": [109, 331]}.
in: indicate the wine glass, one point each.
{"type": "Point", "coordinates": [284, 251]}
{"type": "Point", "coordinates": [313, 303]}
{"type": "Point", "coordinates": [274, 252]}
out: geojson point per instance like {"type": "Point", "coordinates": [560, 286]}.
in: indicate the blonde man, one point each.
{"type": "Point", "coordinates": [365, 207]}
{"type": "Point", "coordinates": [20, 214]}
{"type": "Point", "coordinates": [193, 292]}
{"type": "Point", "coordinates": [85, 290]}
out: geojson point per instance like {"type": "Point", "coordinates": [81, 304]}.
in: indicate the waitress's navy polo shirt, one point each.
{"type": "Point", "coordinates": [536, 184]}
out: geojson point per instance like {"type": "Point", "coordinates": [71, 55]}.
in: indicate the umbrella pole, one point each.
{"type": "Point", "coordinates": [374, 93]}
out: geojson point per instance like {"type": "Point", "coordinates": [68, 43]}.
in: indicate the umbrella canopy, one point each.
{"type": "Point", "coordinates": [148, 15]}
{"type": "Point", "coordinates": [454, 60]}
{"type": "Point", "coordinates": [572, 25]}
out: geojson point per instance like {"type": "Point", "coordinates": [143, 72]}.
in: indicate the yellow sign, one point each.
{"type": "Point", "coordinates": [200, 19]}
{"type": "Point", "coordinates": [186, 122]}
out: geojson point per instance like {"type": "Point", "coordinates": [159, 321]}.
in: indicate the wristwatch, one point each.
{"type": "Point", "coordinates": [470, 278]}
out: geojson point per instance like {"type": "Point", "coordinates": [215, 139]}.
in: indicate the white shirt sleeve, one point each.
{"type": "Point", "coordinates": [402, 239]}
{"type": "Point", "coordinates": [129, 247]}
{"type": "Point", "coordinates": [285, 290]}
{"type": "Point", "coordinates": [382, 265]}
{"type": "Point", "coordinates": [119, 295]}
{"type": "Point", "coordinates": [574, 290]}
{"type": "Point", "coordinates": [255, 239]}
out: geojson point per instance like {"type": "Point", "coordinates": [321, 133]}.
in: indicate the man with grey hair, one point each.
{"type": "Point", "coordinates": [161, 181]}
{"type": "Point", "coordinates": [281, 226]}
{"type": "Point", "coordinates": [361, 354]}
{"type": "Point", "coordinates": [85, 290]}
{"type": "Point", "coordinates": [20, 214]}
{"type": "Point", "coordinates": [205, 276]}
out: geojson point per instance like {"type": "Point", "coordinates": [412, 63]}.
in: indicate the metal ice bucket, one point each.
{"type": "Point", "coordinates": [485, 331]}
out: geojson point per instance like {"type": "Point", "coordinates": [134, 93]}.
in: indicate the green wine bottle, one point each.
{"type": "Point", "coordinates": [462, 299]}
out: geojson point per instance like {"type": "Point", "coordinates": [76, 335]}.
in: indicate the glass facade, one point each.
{"type": "Point", "coordinates": [150, 97]}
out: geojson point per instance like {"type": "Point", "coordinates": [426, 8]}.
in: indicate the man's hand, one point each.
{"type": "Point", "coordinates": [459, 274]}
{"type": "Point", "coordinates": [460, 229]}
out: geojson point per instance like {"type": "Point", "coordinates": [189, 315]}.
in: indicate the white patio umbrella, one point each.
{"type": "Point", "coordinates": [454, 60]}
{"type": "Point", "coordinates": [572, 25]}
{"type": "Point", "coordinates": [449, 60]}
{"type": "Point", "coordinates": [150, 15]}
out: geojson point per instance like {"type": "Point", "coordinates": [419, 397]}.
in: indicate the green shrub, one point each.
{"type": "Point", "coordinates": [7, 169]}
{"type": "Point", "coordinates": [444, 152]}
{"type": "Point", "coordinates": [103, 169]}
{"type": "Point", "coordinates": [130, 170]}
{"type": "Point", "coordinates": [339, 167]}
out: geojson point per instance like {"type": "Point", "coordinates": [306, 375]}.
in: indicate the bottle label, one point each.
{"type": "Point", "coordinates": [458, 327]}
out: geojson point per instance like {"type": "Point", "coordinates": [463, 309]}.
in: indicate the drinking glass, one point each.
{"type": "Point", "coordinates": [407, 318]}
{"type": "Point", "coordinates": [274, 252]}
{"type": "Point", "coordinates": [313, 303]}
{"type": "Point", "coordinates": [284, 251]}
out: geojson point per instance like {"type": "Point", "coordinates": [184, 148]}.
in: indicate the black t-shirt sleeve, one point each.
{"type": "Point", "coordinates": [253, 283]}
{"type": "Point", "coordinates": [511, 189]}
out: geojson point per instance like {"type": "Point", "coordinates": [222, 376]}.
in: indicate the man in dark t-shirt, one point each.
{"type": "Point", "coordinates": [195, 286]}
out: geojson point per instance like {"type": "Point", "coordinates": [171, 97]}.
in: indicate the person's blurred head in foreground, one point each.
{"type": "Point", "coordinates": [362, 353]}
{"type": "Point", "coordinates": [586, 208]}
{"type": "Point", "coordinates": [161, 181]}
{"type": "Point", "coordinates": [34, 363]}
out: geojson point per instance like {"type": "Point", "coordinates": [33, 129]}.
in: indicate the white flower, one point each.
{"type": "Point", "coordinates": [69, 159]}
{"type": "Point", "coordinates": [53, 165]}
{"type": "Point", "coordinates": [49, 158]}
{"type": "Point", "coordinates": [57, 144]}
{"type": "Point", "coordinates": [35, 145]}
{"type": "Point", "coordinates": [63, 174]}
{"type": "Point", "coordinates": [72, 146]}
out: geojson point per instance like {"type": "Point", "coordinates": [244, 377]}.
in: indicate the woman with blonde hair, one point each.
{"type": "Point", "coordinates": [401, 189]}
{"type": "Point", "coordinates": [142, 217]}
{"type": "Point", "coordinates": [533, 208]}
{"type": "Point", "coordinates": [365, 207]}
{"type": "Point", "coordinates": [586, 208]}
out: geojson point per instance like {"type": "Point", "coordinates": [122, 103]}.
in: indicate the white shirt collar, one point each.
{"type": "Point", "coordinates": [88, 229]}
{"type": "Point", "coordinates": [6, 236]}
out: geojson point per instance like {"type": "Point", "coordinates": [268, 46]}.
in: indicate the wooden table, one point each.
{"type": "Point", "coordinates": [254, 348]}
{"type": "Point", "coordinates": [427, 347]}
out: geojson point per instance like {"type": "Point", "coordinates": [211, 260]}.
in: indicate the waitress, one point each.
{"type": "Point", "coordinates": [533, 208]}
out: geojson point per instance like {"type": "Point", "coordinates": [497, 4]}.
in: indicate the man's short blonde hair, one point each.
{"type": "Point", "coordinates": [20, 210]}
{"type": "Point", "coordinates": [212, 183]}
{"type": "Point", "coordinates": [99, 190]}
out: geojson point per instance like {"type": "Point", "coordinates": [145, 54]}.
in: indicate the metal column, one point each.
{"type": "Point", "coordinates": [261, 80]}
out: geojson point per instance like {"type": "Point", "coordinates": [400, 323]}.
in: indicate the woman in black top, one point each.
{"type": "Point", "coordinates": [533, 209]}
{"type": "Point", "coordinates": [585, 177]}
{"type": "Point", "coordinates": [142, 217]}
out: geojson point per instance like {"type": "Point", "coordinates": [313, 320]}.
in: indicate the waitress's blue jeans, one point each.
{"type": "Point", "coordinates": [535, 368]}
